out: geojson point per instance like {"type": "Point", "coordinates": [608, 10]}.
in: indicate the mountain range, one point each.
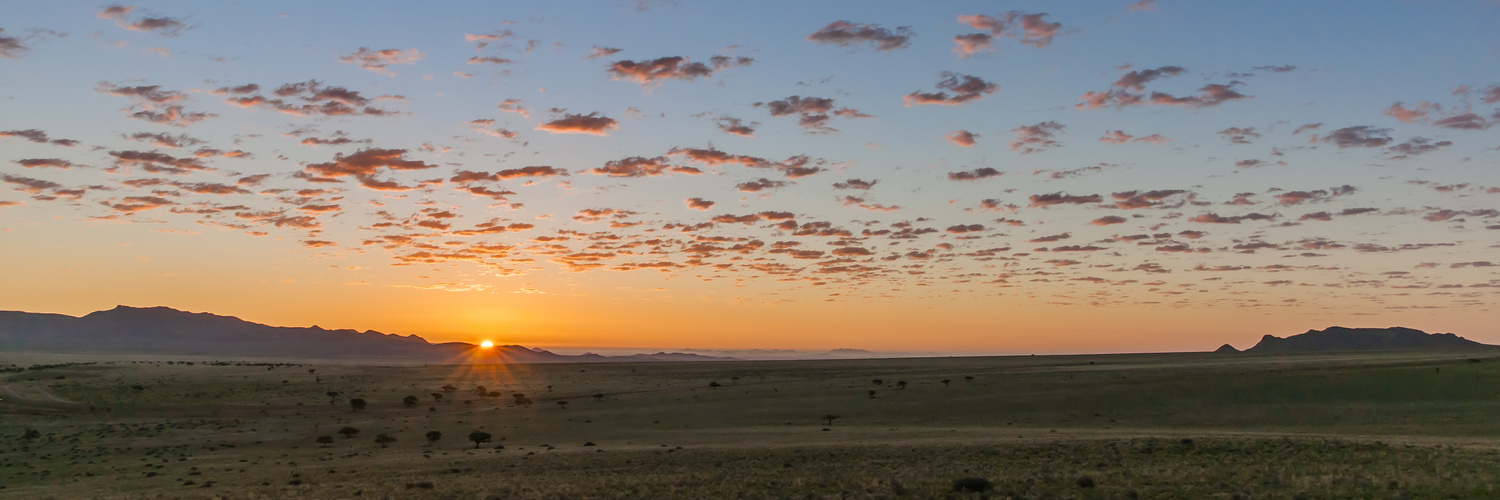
{"type": "Point", "coordinates": [167, 331]}
{"type": "Point", "coordinates": [1338, 338]}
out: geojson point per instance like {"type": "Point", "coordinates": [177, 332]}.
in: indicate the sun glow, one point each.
{"type": "Point", "coordinates": [486, 344]}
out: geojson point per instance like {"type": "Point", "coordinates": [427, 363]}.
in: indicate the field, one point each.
{"type": "Point", "coordinates": [1381, 425]}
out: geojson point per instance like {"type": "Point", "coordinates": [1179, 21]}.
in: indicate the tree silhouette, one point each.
{"type": "Point", "coordinates": [878, 381]}
{"type": "Point", "coordinates": [830, 418]}
{"type": "Point", "coordinates": [325, 440]}
{"type": "Point", "coordinates": [494, 394]}
{"type": "Point", "coordinates": [479, 437]}
{"type": "Point", "coordinates": [30, 435]}
{"type": "Point", "coordinates": [437, 397]}
{"type": "Point", "coordinates": [483, 392]}
{"type": "Point", "coordinates": [409, 401]}
{"type": "Point", "coordinates": [562, 404]}
{"type": "Point", "coordinates": [357, 404]}
{"type": "Point", "coordinates": [348, 432]}
{"type": "Point", "coordinates": [735, 379]}
{"type": "Point", "coordinates": [900, 384]}
{"type": "Point", "coordinates": [449, 388]}
{"type": "Point", "coordinates": [432, 437]}
{"type": "Point", "coordinates": [384, 439]}
{"type": "Point", "coordinates": [522, 400]}
{"type": "Point", "coordinates": [945, 382]}
{"type": "Point", "coordinates": [333, 396]}
{"type": "Point", "coordinates": [599, 397]}
{"type": "Point", "coordinates": [968, 378]}
{"type": "Point", "coordinates": [714, 385]}
{"type": "Point", "coordinates": [872, 394]}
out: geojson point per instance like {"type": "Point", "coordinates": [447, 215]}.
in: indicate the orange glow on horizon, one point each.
{"type": "Point", "coordinates": [486, 344]}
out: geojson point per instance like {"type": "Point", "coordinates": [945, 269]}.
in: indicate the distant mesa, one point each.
{"type": "Point", "coordinates": [167, 331]}
{"type": "Point", "coordinates": [1226, 349]}
{"type": "Point", "coordinates": [1338, 338]}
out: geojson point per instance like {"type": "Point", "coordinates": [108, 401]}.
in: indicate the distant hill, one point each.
{"type": "Point", "coordinates": [1338, 338]}
{"type": "Point", "coordinates": [163, 330]}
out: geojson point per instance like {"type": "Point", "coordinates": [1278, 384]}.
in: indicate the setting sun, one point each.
{"type": "Point", "coordinates": [486, 344]}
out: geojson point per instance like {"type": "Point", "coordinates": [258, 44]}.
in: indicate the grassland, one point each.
{"type": "Point", "coordinates": [1380, 425]}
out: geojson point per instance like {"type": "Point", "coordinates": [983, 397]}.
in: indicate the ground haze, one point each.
{"type": "Point", "coordinates": [1116, 426]}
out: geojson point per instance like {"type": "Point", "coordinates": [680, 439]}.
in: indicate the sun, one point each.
{"type": "Point", "coordinates": [486, 344]}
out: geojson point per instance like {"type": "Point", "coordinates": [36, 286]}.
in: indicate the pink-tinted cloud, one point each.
{"type": "Point", "coordinates": [515, 106]}
{"type": "Point", "coordinates": [477, 60]}
{"type": "Point", "coordinates": [760, 184]}
{"type": "Point", "coordinates": [597, 52]}
{"type": "Point", "coordinates": [158, 163]}
{"type": "Point", "coordinates": [637, 166]}
{"type": "Point", "coordinates": [1416, 114]}
{"type": "Point", "coordinates": [28, 184]}
{"type": "Point", "coordinates": [379, 60]}
{"type": "Point", "coordinates": [46, 163]}
{"type": "Point", "coordinates": [134, 204]}
{"type": "Point", "coordinates": [37, 136]}
{"type": "Point", "coordinates": [11, 47]}
{"type": "Point", "coordinates": [1130, 200]}
{"type": "Point", "coordinates": [592, 124]}
{"type": "Point", "coordinates": [858, 202]}
{"type": "Point", "coordinates": [312, 98]}
{"type": "Point", "coordinates": [732, 125]}
{"type": "Point", "coordinates": [972, 43]}
{"type": "Point", "coordinates": [1050, 238]}
{"type": "Point", "coordinates": [1307, 127]}
{"type": "Point", "coordinates": [1031, 29]}
{"type": "Point", "coordinates": [974, 175]}
{"type": "Point", "coordinates": [364, 164]}
{"type": "Point", "coordinates": [1361, 136]}
{"type": "Point", "coordinates": [1036, 138]}
{"type": "Point", "coordinates": [964, 88]}
{"type": "Point", "coordinates": [163, 140]}
{"type": "Point", "coordinates": [1416, 146]}
{"type": "Point", "coordinates": [1116, 137]}
{"type": "Point", "coordinates": [165, 26]}
{"type": "Point", "coordinates": [856, 184]}
{"type": "Point", "coordinates": [1108, 220]}
{"type": "Point", "coordinates": [699, 204]}
{"type": "Point", "coordinates": [1213, 218]}
{"type": "Point", "coordinates": [813, 113]}
{"type": "Point", "coordinates": [1463, 121]}
{"type": "Point", "coordinates": [962, 138]}
{"type": "Point", "coordinates": [652, 72]}
{"type": "Point", "coordinates": [1047, 200]}
{"type": "Point", "coordinates": [1143, 5]}
{"type": "Point", "coordinates": [1238, 135]}
{"type": "Point", "coordinates": [845, 33]}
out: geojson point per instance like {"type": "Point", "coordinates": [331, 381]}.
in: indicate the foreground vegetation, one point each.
{"type": "Point", "coordinates": [1386, 425]}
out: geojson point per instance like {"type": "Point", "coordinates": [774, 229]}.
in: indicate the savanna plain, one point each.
{"type": "Point", "coordinates": [1189, 425]}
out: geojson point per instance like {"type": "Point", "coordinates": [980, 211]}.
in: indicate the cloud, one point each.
{"type": "Point", "coordinates": [699, 203]}
{"type": "Point", "coordinates": [151, 98]}
{"type": "Point", "coordinates": [1237, 135]}
{"type": "Point", "coordinates": [962, 138]}
{"type": "Point", "coordinates": [533, 171]}
{"type": "Point", "coordinates": [1031, 29]}
{"type": "Point", "coordinates": [813, 112]}
{"type": "Point", "coordinates": [1251, 163]}
{"type": "Point", "coordinates": [1143, 5]}
{"type": "Point", "coordinates": [974, 175]}
{"type": "Point", "coordinates": [732, 125]}
{"type": "Point", "coordinates": [379, 60]}
{"type": "Point", "coordinates": [845, 33]}
{"type": "Point", "coordinates": [597, 52]}
{"type": "Point", "coordinates": [760, 184]}
{"type": "Point", "coordinates": [11, 47]}
{"type": "Point", "coordinates": [652, 72]}
{"type": "Point", "coordinates": [1047, 200]}
{"type": "Point", "coordinates": [29, 185]}
{"type": "Point", "coordinates": [1361, 136]}
{"type": "Point", "coordinates": [1317, 195]}
{"type": "Point", "coordinates": [312, 98]}
{"type": "Point", "coordinates": [363, 165]}
{"type": "Point", "coordinates": [477, 60]}
{"type": "Point", "coordinates": [1130, 200]}
{"type": "Point", "coordinates": [972, 43]}
{"type": "Point", "coordinates": [592, 124]}
{"type": "Point", "coordinates": [965, 228]}
{"type": "Point", "coordinates": [46, 163]}
{"type": "Point", "coordinates": [1416, 146]}
{"type": "Point", "coordinates": [1463, 121]}
{"type": "Point", "coordinates": [965, 88]}
{"type": "Point", "coordinates": [1213, 218]}
{"type": "Point", "coordinates": [856, 184]}
{"type": "Point", "coordinates": [37, 136]}
{"type": "Point", "coordinates": [855, 201]}
{"type": "Point", "coordinates": [1107, 220]}
{"type": "Point", "coordinates": [1307, 127]}
{"type": "Point", "coordinates": [158, 163]}
{"type": "Point", "coordinates": [637, 166]}
{"type": "Point", "coordinates": [1120, 137]}
{"type": "Point", "coordinates": [1136, 80]}
{"type": "Point", "coordinates": [514, 106]}
{"type": "Point", "coordinates": [164, 140]}
{"type": "Point", "coordinates": [1050, 238]}
{"type": "Point", "coordinates": [1415, 115]}
{"type": "Point", "coordinates": [134, 204]}
{"type": "Point", "coordinates": [1130, 90]}
{"type": "Point", "coordinates": [166, 26]}
{"type": "Point", "coordinates": [1036, 138]}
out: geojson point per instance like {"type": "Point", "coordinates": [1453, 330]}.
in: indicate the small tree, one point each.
{"type": "Point", "coordinates": [599, 397]}
{"type": "Point", "coordinates": [433, 437]}
{"type": "Point", "coordinates": [479, 437]}
{"type": "Point", "coordinates": [409, 401]}
{"type": "Point", "coordinates": [333, 396]}
{"type": "Point", "coordinates": [878, 381]}
{"type": "Point", "coordinates": [437, 397]}
{"type": "Point", "coordinates": [945, 382]}
{"type": "Point", "coordinates": [325, 440]}
{"type": "Point", "coordinates": [384, 439]}
{"type": "Point", "coordinates": [481, 391]}
{"type": "Point", "coordinates": [714, 385]}
{"type": "Point", "coordinates": [562, 404]}
{"type": "Point", "coordinates": [830, 418]}
{"type": "Point", "coordinates": [449, 388]}
{"type": "Point", "coordinates": [968, 378]}
{"type": "Point", "coordinates": [735, 379]}
{"type": "Point", "coordinates": [900, 384]}
{"type": "Point", "coordinates": [357, 404]}
{"type": "Point", "coordinates": [30, 435]}
{"type": "Point", "coordinates": [348, 432]}
{"type": "Point", "coordinates": [872, 394]}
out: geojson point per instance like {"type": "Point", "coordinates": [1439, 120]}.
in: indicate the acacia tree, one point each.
{"type": "Point", "coordinates": [30, 435]}
{"type": "Point", "coordinates": [437, 397]}
{"type": "Point", "coordinates": [900, 384]}
{"type": "Point", "coordinates": [348, 432]}
{"type": "Point", "coordinates": [830, 418]}
{"type": "Point", "coordinates": [325, 440]}
{"type": "Point", "coordinates": [482, 391]}
{"type": "Point", "coordinates": [409, 401]}
{"type": "Point", "coordinates": [333, 396]}
{"type": "Point", "coordinates": [384, 439]}
{"type": "Point", "coordinates": [479, 437]}
{"type": "Point", "coordinates": [432, 437]}
{"type": "Point", "coordinates": [945, 382]}
{"type": "Point", "coordinates": [357, 404]}
{"type": "Point", "coordinates": [563, 404]}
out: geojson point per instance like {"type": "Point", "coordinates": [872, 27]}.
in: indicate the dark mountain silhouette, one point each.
{"type": "Point", "coordinates": [163, 330]}
{"type": "Point", "coordinates": [1226, 349]}
{"type": "Point", "coordinates": [1338, 338]}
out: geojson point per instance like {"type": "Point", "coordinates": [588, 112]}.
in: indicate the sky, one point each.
{"type": "Point", "coordinates": [959, 177]}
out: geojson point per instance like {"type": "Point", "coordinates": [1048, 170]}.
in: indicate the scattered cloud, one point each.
{"type": "Point", "coordinates": [379, 61]}
{"type": "Point", "coordinates": [849, 34]}
{"type": "Point", "coordinates": [591, 124]}
{"type": "Point", "coordinates": [964, 88]}
{"type": "Point", "coordinates": [1036, 138]}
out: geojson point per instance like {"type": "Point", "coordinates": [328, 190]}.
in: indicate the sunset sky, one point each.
{"type": "Point", "coordinates": [955, 177]}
